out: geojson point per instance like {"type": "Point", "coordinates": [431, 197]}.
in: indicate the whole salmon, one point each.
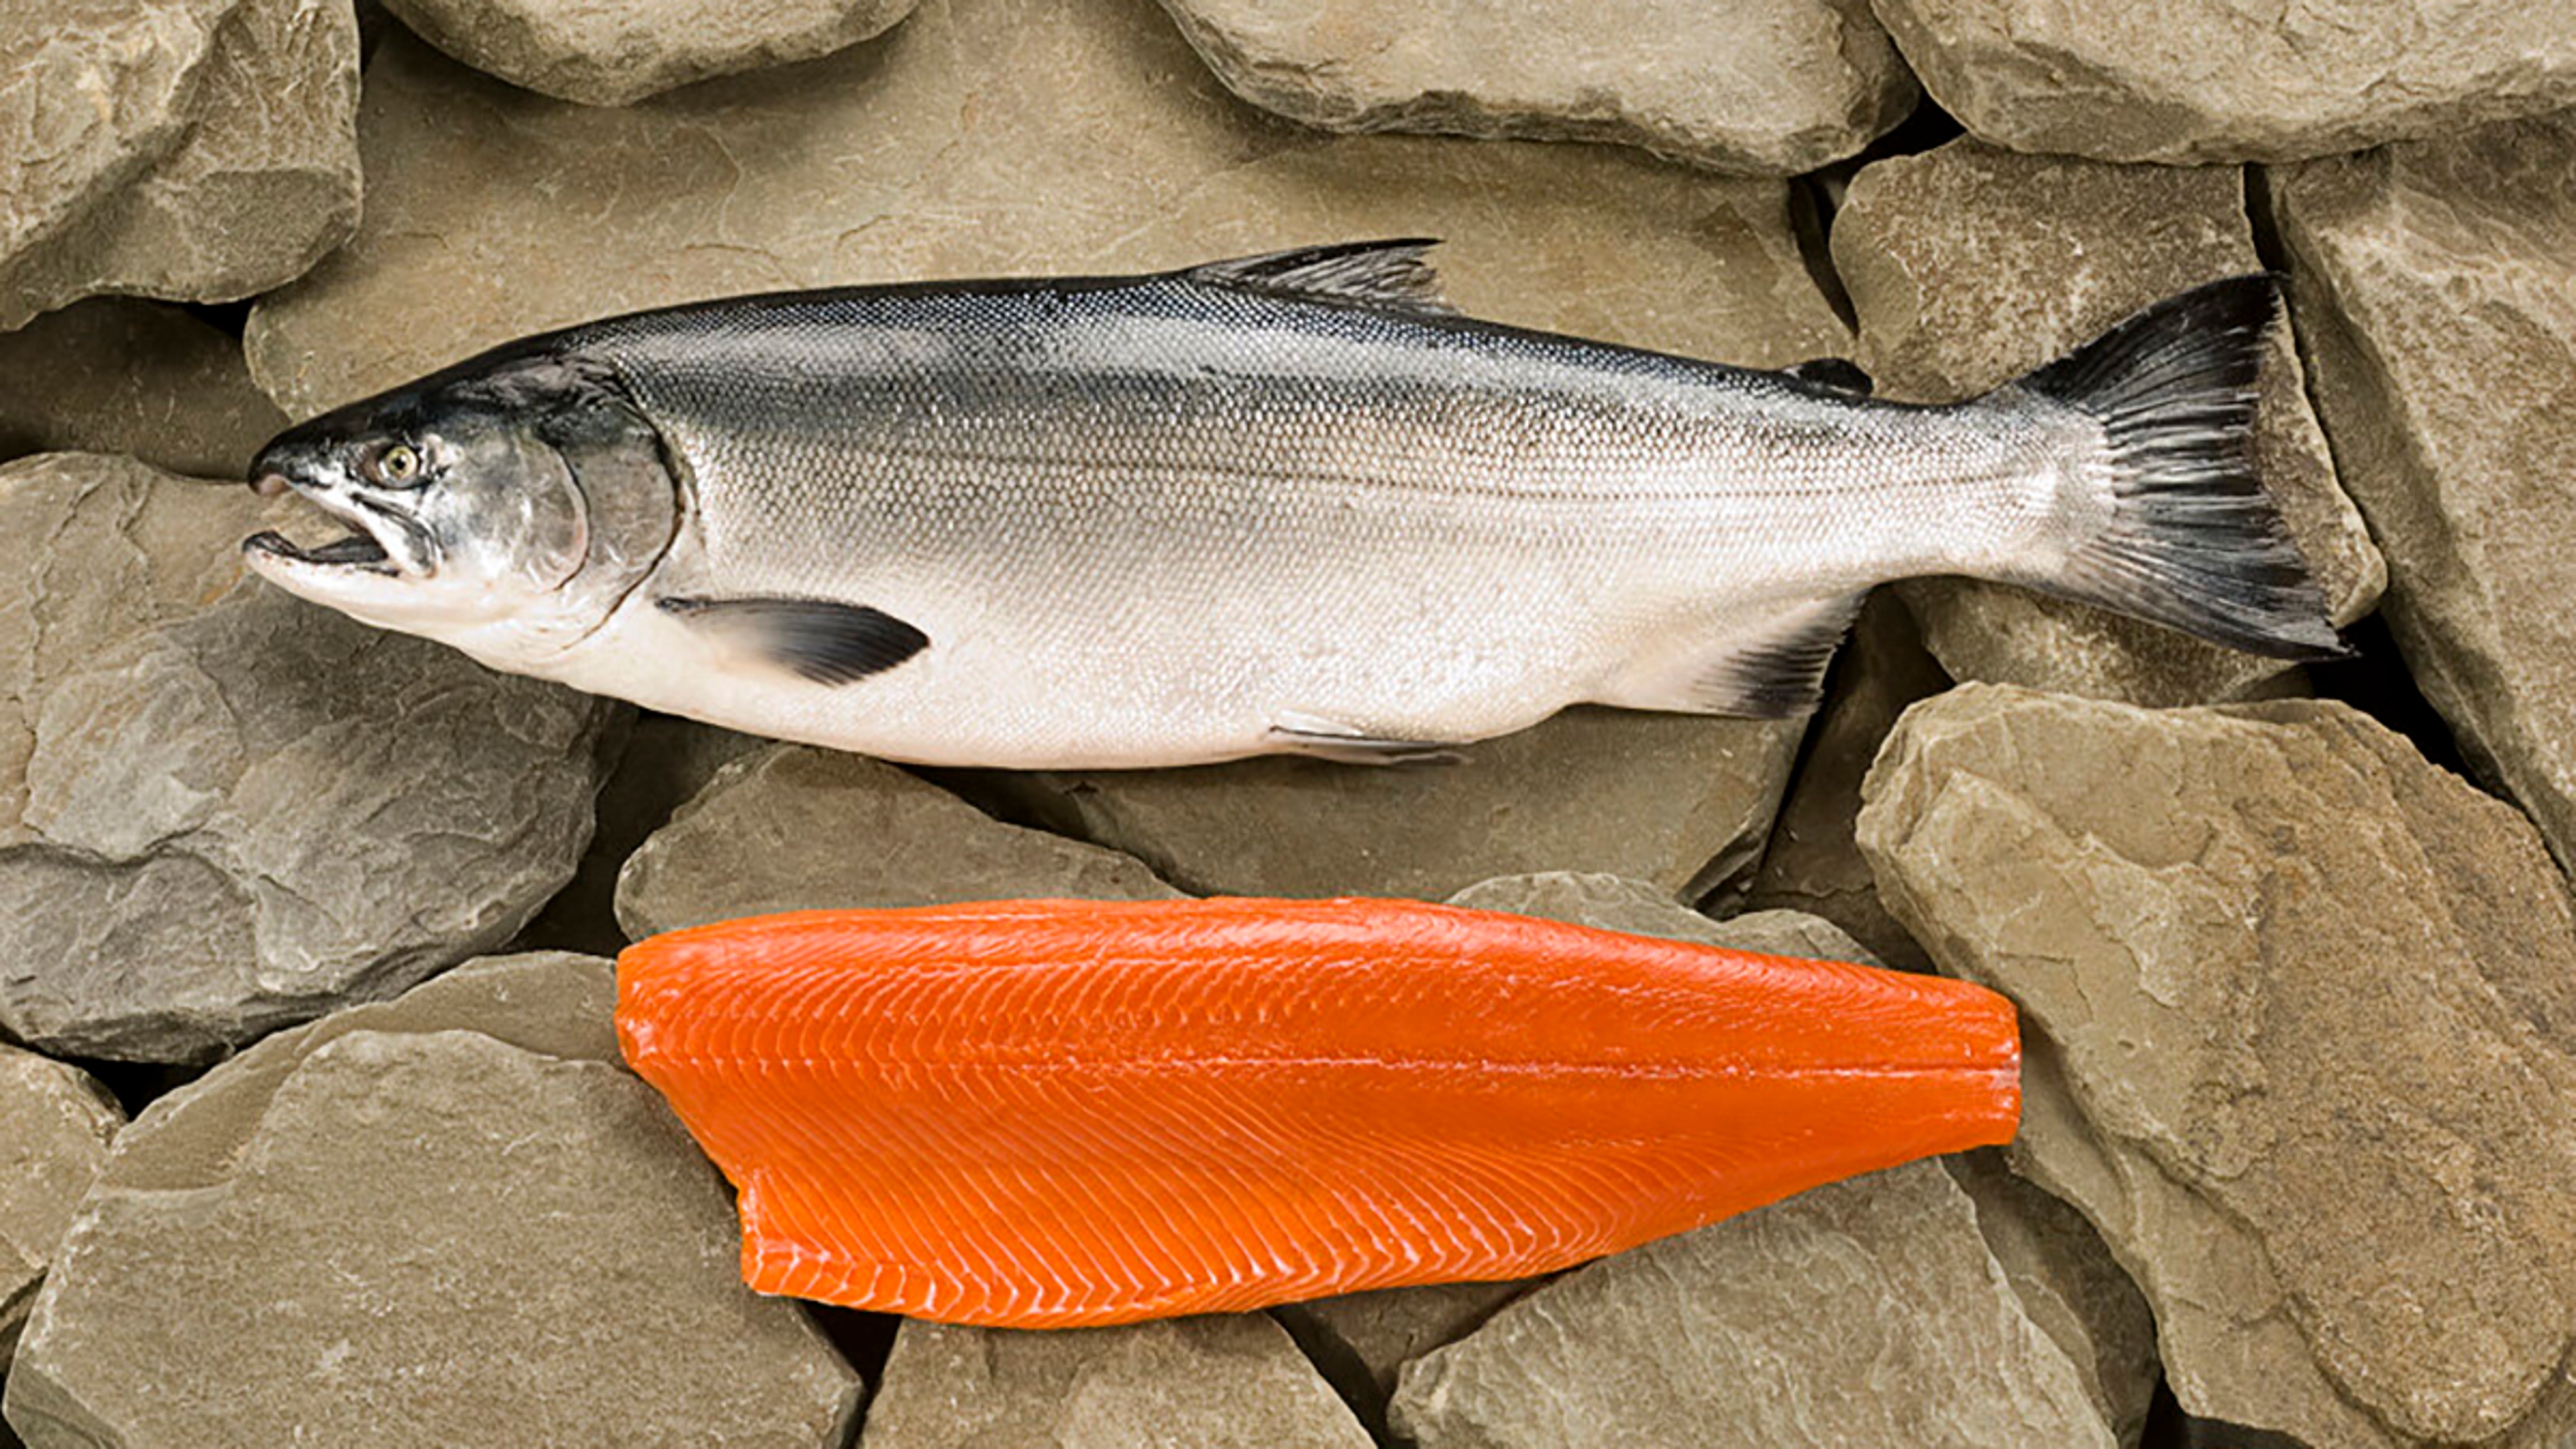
{"type": "Point", "coordinates": [1287, 502]}
{"type": "Point", "coordinates": [1051, 1113]}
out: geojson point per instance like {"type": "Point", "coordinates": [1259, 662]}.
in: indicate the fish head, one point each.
{"type": "Point", "coordinates": [505, 506]}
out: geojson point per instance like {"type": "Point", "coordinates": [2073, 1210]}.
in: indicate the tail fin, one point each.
{"type": "Point", "coordinates": [2193, 541]}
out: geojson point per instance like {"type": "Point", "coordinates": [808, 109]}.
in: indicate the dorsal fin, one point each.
{"type": "Point", "coordinates": [1372, 273]}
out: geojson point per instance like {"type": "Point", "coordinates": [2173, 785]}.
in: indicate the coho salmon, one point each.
{"type": "Point", "coordinates": [1281, 503]}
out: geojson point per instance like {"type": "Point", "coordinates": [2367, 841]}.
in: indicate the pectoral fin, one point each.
{"type": "Point", "coordinates": [822, 640]}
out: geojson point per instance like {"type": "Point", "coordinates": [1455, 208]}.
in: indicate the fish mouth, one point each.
{"type": "Point", "coordinates": [375, 539]}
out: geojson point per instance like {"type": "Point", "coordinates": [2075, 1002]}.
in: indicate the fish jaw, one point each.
{"type": "Point", "coordinates": [374, 572]}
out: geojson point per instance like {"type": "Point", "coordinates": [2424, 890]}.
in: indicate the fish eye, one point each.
{"type": "Point", "coordinates": [395, 463]}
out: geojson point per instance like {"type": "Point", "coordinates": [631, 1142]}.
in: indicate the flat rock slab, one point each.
{"type": "Point", "coordinates": [2437, 298]}
{"type": "Point", "coordinates": [118, 375]}
{"type": "Point", "coordinates": [609, 55]}
{"type": "Point", "coordinates": [55, 1127]}
{"type": "Point", "coordinates": [1969, 266]}
{"type": "Point", "coordinates": [2299, 1014]}
{"type": "Point", "coordinates": [1771, 87]}
{"type": "Point", "coordinates": [1764, 1329]}
{"type": "Point", "coordinates": [1228, 1382]}
{"type": "Point", "coordinates": [931, 154]}
{"type": "Point", "coordinates": [796, 828]}
{"type": "Point", "coordinates": [448, 1220]}
{"type": "Point", "coordinates": [192, 149]}
{"type": "Point", "coordinates": [225, 809]}
{"type": "Point", "coordinates": [2234, 80]}
{"type": "Point", "coordinates": [1684, 803]}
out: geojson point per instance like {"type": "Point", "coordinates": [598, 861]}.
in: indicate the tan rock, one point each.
{"type": "Point", "coordinates": [1359, 1340]}
{"type": "Point", "coordinates": [1682, 802]}
{"type": "Point", "coordinates": [611, 54]}
{"type": "Point", "coordinates": [1811, 863]}
{"type": "Point", "coordinates": [2437, 298]}
{"type": "Point", "coordinates": [797, 828]}
{"type": "Point", "coordinates": [930, 154]}
{"type": "Point", "coordinates": [1861, 1313]}
{"type": "Point", "coordinates": [2296, 1012]}
{"type": "Point", "coordinates": [1774, 87]}
{"type": "Point", "coordinates": [665, 764]}
{"type": "Point", "coordinates": [55, 1127]}
{"type": "Point", "coordinates": [1227, 1382]}
{"type": "Point", "coordinates": [2231, 80]}
{"type": "Point", "coordinates": [194, 149]}
{"type": "Point", "coordinates": [2070, 1285]}
{"type": "Point", "coordinates": [116, 375]}
{"type": "Point", "coordinates": [1969, 266]}
{"type": "Point", "coordinates": [224, 809]}
{"type": "Point", "coordinates": [453, 1219]}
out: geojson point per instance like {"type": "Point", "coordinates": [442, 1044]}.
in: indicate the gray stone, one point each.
{"type": "Point", "coordinates": [1811, 863]}
{"type": "Point", "coordinates": [2070, 1285]}
{"type": "Point", "coordinates": [2437, 297]}
{"type": "Point", "coordinates": [2234, 80]}
{"type": "Point", "coordinates": [224, 810]}
{"type": "Point", "coordinates": [666, 762]}
{"type": "Point", "coordinates": [932, 153]}
{"type": "Point", "coordinates": [55, 1127]}
{"type": "Point", "coordinates": [448, 1220]}
{"type": "Point", "coordinates": [192, 149]}
{"type": "Point", "coordinates": [796, 828]}
{"type": "Point", "coordinates": [1861, 1313]}
{"type": "Point", "coordinates": [116, 375]}
{"type": "Point", "coordinates": [1678, 801]}
{"type": "Point", "coordinates": [1773, 87]}
{"type": "Point", "coordinates": [1228, 1382]}
{"type": "Point", "coordinates": [2297, 1014]}
{"type": "Point", "coordinates": [1359, 1340]}
{"type": "Point", "coordinates": [613, 54]}
{"type": "Point", "coordinates": [1969, 266]}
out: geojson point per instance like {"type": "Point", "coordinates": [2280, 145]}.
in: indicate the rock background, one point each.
{"type": "Point", "coordinates": [2300, 1038]}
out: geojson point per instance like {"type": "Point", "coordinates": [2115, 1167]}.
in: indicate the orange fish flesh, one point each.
{"type": "Point", "coordinates": [1058, 1113]}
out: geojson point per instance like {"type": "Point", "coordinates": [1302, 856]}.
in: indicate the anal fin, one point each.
{"type": "Point", "coordinates": [1771, 668]}
{"type": "Point", "coordinates": [822, 640]}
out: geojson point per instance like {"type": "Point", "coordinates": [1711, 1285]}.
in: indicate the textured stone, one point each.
{"type": "Point", "coordinates": [448, 1220]}
{"type": "Point", "coordinates": [222, 809]}
{"type": "Point", "coordinates": [931, 153]}
{"type": "Point", "coordinates": [796, 828]}
{"type": "Point", "coordinates": [2297, 1012]}
{"type": "Point", "coordinates": [666, 762]}
{"type": "Point", "coordinates": [1359, 1340]}
{"type": "Point", "coordinates": [1811, 863]}
{"type": "Point", "coordinates": [2437, 298]}
{"type": "Point", "coordinates": [1866, 1312]}
{"type": "Point", "coordinates": [196, 149]}
{"type": "Point", "coordinates": [115, 375]}
{"type": "Point", "coordinates": [2234, 80]}
{"type": "Point", "coordinates": [1682, 802]}
{"type": "Point", "coordinates": [1774, 87]}
{"type": "Point", "coordinates": [1969, 266]}
{"type": "Point", "coordinates": [1229, 1382]}
{"type": "Point", "coordinates": [611, 54]}
{"type": "Point", "coordinates": [55, 1127]}
{"type": "Point", "coordinates": [2070, 1285]}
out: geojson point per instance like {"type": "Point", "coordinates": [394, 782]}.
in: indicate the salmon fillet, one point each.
{"type": "Point", "coordinates": [1054, 1113]}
